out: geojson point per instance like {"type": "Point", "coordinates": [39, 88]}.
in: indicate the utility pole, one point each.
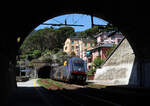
{"type": "Point", "coordinates": [92, 22]}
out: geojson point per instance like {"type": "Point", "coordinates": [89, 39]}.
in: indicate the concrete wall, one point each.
{"type": "Point", "coordinates": [144, 74]}
{"type": "Point", "coordinates": [119, 67]}
{"type": "Point", "coordinates": [7, 79]}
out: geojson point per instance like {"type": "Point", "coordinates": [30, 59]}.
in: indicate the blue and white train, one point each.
{"type": "Point", "coordinates": [73, 70]}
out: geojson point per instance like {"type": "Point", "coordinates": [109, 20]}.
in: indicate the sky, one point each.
{"type": "Point", "coordinates": [77, 19]}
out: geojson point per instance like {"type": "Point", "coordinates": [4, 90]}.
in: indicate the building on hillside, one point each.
{"type": "Point", "coordinates": [78, 45]}
{"type": "Point", "coordinates": [22, 67]}
{"type": "Point", "coordinates": [103, 38]}
{"type": "Point", "coordinates": [99, 51]}
{"type": "Point", "coordinates": [104, 45]}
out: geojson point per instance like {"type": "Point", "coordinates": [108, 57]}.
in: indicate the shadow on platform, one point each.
{"type": "Point", "coordinates": [39, 96]}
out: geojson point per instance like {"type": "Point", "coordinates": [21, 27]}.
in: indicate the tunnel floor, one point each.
{"type": "Point", "coordinates": [35, 95]}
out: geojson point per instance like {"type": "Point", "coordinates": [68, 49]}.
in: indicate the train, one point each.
{"type": "Point", "coordinates": [72, 70]}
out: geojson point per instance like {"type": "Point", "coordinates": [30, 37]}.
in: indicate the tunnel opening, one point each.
{"type": "Point", "coordinates": [44, 72]}
{"type": "Point", "coordinates": [127, 31]}
{"type": "Point", "coordinates": [106, 36]}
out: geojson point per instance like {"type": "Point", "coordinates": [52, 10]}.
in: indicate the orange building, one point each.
{"type": "Point", "coordinates": [78, 45]}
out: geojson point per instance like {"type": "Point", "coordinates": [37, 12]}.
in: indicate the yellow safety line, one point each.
{"type": "Point", "coordinates": [34, 83]}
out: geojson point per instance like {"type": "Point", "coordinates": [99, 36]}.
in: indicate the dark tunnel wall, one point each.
{"type": "Point", "coordinates": [20, 21]}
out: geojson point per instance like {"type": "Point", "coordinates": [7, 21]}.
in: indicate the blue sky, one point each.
{"type": "Point", "coordinates": [81, 19]}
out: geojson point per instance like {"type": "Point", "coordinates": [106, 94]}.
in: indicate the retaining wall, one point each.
{"type": "Point", "coordinates": [120, 68]}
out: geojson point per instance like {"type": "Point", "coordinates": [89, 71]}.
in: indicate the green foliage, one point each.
{"type": "Point", "coordinates": [48, 83]}
{"type": "Point", "coordinates": [30, 57]}
{"type": "Point", "coordinates": [47, 55]}
{"type": "Point", "coordinates": [35, 41]}
{"type": "Point", "coordinates": [110, 50]}
{"type": "Point", "coordinates": [47, 52]}
{"type": "Point", "coordinates": [97, 62]}
{"type": "Point", "coordinates": [62, 34]}
{"type": "Point", "coordinates": [89, 32]}
{"type": "Point", "coordinates": [47, 59]}
{"type": "Point", "coordinates": [61, 53]}
{"type": "Point", "coordinates": [109, 27]}
{"type": "Point", "coordinates": [61, 56]}
{"type": "Point", "coordinates": [47, 38]}
{"type": "Point", "coordinates": [36, 53]}
{"type": "Point", "coordinates": [30, 64]}
{"type": "Point", "coordinates": [93, 31]}
{"type": "Point", "coordinates": [92, 71]}
{"type": "Point", "coordinates": [22, 56]}
{"type": "Point", "coordinates": [33, 54]}
{"type": "Point", "coordinates": [73, 53]}
{"type": "Point", "coordinates": [96, 85]}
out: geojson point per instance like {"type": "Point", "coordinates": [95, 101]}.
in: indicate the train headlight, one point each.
{"type": "Point", "coordinates": [65, 63]}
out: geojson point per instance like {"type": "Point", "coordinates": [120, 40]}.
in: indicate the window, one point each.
{"type": "Point", "coordinates": [85, 44]}
{"type": "Point", "coordinates": [78, 64]}
{"type": "Point", "coordinates": [72, 47]}
{"type": "Point", "coordinates": [65, 48]}
{"type": "Point", "coordinates": [119, 40]}
{"type": "Point", "coordinates": [91, 44]}
{"type": "Point", "coordinates": [72, 42]}
{"type": "Point", "coordinates": [77, 47]}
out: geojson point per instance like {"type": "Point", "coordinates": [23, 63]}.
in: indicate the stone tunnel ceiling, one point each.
{"type": "Point", "coordinates": [124, 18]}
{"type": "Point", "coordinates": [21, 19]}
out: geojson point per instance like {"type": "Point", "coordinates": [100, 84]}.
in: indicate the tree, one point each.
{"type": "Point", "coordinates": [60, 57]}
{"type": "Point", "coordinates": [92, 71]}
{"type": "Point", "coordinates": [73, 53]}
{"type": "Point", "coordinates": [47, 56]}
{"type": "Point", "coordinates": [90, 32]}
{"type": "Point", "coordinates": [33, 54]}
{"type": "Point", "coordinates": [47, 38]}
{"type": "Point", "coordinates": [34, 41]}
{"type": "Point", "coordinates": [62, 34]}
{"type": "Point", "coordinates": [36, 53]}
{"type": "Point", "coordinates": [97, 62]}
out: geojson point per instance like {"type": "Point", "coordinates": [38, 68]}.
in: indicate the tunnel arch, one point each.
{"type": "Point", "coordinates": [124, 15]}
{"type": "Point", "coordinates": [126, 28]}
{"type": "Point", "coordinates": [41, 73]}
{"type": "Point", "coordinates": [44, 72]}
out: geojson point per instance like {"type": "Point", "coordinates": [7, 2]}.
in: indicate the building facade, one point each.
{"type": "Point", "coordinates": [105, 44]}
{"type": "Point", "coordinates": [105, 38]}
{"type": "Point", "coordinates": [88, 49]}
{"type": "Point", "coordinates": [100, 51]}
{"type": "Point", "coordinates": [78, 45]}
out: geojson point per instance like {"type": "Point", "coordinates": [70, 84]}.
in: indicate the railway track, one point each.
{"type": "Point", "coordinates": [85, 100]}
{"type": "Point", "coordinates": [74, 95]}
{"type": "Point", "coordinates": [67, 98]}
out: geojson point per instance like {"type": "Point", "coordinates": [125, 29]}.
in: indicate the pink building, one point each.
{"type": "Point", "coordinates": [104, 44]}
{"type": "Point", "coordinates": [99, 51]}
{"type": "Point", "coordinates": [103, 38]}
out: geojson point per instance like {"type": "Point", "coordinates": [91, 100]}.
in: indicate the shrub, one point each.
{"type": "Point", "coordinates": [92, 71]}
{"type": "Point", "coordinates": [97, 62]}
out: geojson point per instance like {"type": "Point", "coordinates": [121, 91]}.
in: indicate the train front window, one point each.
{"type": "Point", "coordinates": [78, 64]}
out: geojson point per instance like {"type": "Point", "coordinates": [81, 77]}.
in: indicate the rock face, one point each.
{"type": "Point", "coordinates": [120, 68]}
